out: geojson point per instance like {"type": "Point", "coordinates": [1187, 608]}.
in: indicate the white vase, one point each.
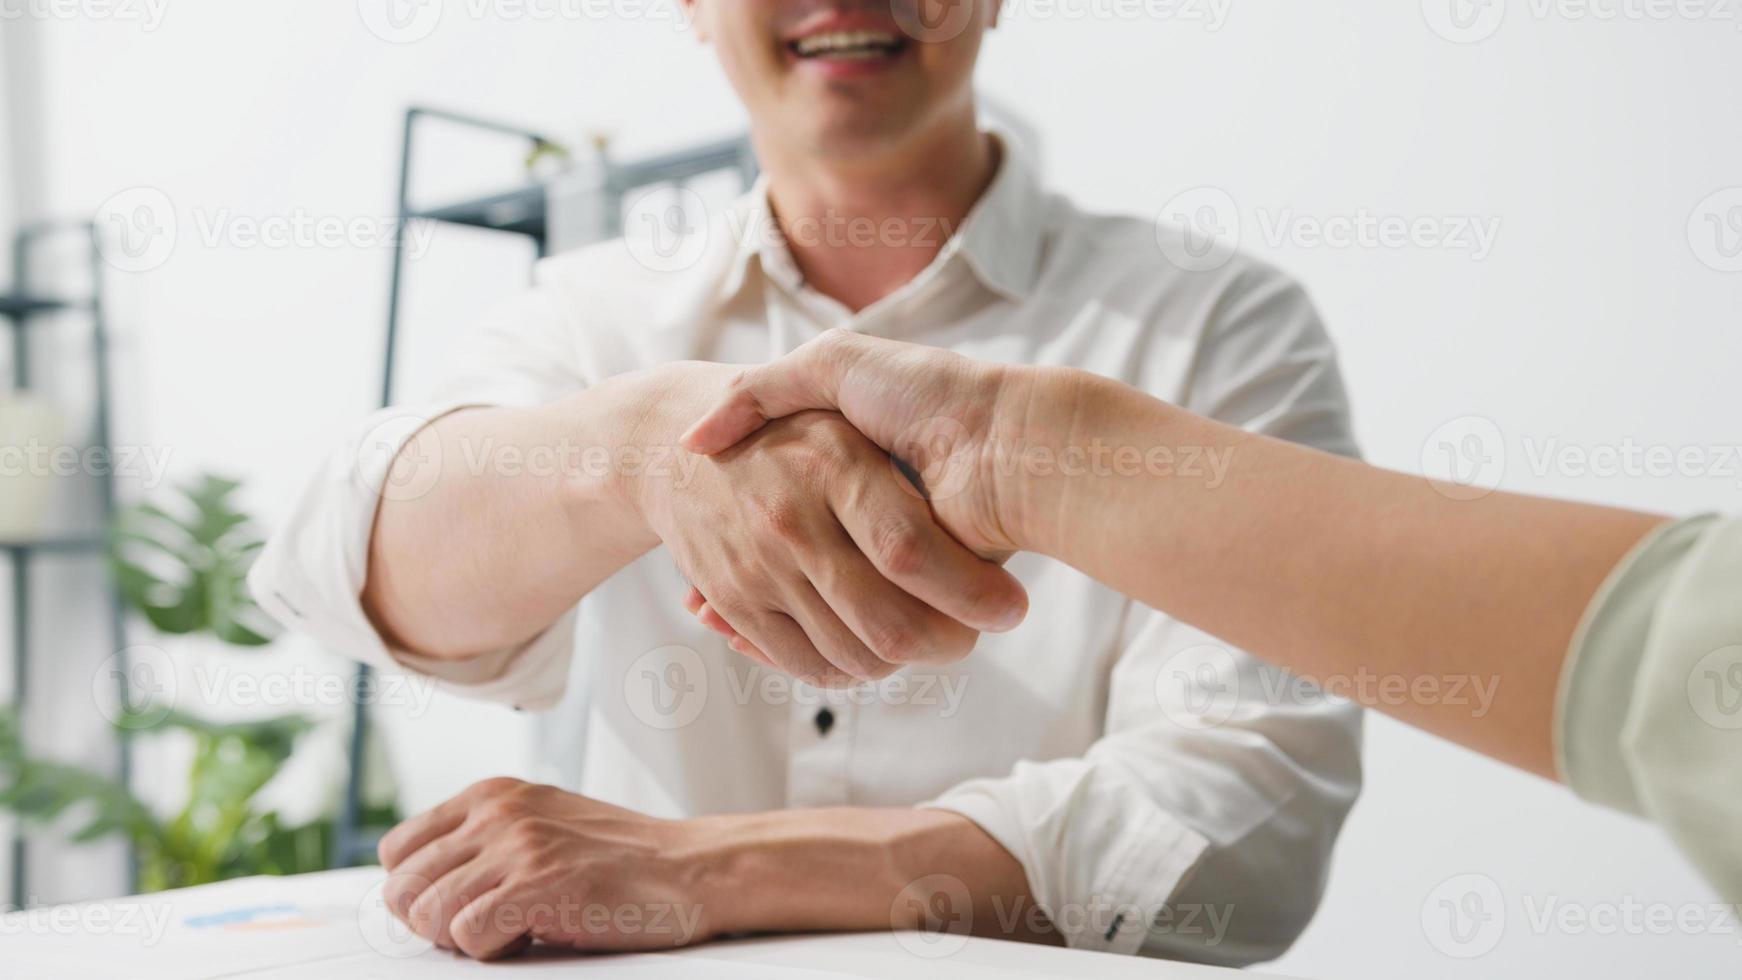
{"type": "Point", "coordinates": [30, 432]}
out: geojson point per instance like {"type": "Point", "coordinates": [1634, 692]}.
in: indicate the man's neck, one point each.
{"type": "Point", "coordinates": [861, 229]}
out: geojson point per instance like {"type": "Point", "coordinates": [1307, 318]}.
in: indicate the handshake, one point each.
{"type": "Point", "coordinates": [850, 517]}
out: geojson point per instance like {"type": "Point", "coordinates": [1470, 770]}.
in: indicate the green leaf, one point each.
{"type": "Point", "coordinates": [183, 564]}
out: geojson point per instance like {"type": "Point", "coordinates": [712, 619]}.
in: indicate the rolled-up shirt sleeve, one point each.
{"type": "Point", "coordinates": [1649, 717]}
{"type": "Point", "coordinates": [1200, 827]}
{"type": "Point", "coordinates": [311, 574]}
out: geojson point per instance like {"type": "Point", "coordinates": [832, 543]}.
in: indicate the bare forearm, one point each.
{"type": "Point", "coordinates": [524, 519]}
{"type": "Point", "coordinates": [1332, 568]}
{"type": "Point", "coordinates": [864, 869]}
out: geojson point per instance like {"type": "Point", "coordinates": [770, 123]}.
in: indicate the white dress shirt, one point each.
{"type": "Point", "coordinates": [1151, 782]}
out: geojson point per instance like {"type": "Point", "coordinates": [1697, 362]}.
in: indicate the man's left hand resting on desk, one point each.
{"type": "Point", "coordinates": [506, 862]}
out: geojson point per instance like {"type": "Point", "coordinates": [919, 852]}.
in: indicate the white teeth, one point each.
{"type": "Point", "coordinates": [856, 44]}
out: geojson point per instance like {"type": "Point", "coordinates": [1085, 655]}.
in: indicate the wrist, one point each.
{"type": "Point", "coordinates": [786, 871]}
{"type": "Point", "coordinates": [1040, 413]}
{"type": "Point", "coordinates": [850, 869]}
{"type": "Point", "coordinates": [647, 411]}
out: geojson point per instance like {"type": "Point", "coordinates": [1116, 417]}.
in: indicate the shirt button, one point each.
{"type": "Point", "coordinates": [825, 721]}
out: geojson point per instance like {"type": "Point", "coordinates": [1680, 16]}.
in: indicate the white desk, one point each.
{"type": "Point", "coordinates": [333, 927]}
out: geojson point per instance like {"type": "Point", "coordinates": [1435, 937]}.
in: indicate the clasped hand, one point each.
{"type": "Point", "coordinates": [813, 548]}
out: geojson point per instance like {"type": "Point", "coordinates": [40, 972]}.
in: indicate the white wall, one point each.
{"type": "Point", "coordinates": [1592, 320]}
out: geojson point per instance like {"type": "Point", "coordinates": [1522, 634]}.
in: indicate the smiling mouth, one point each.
{"type": "Point", "coordinates": [848, 46]}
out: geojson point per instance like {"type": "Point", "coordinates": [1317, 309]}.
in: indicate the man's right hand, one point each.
{"type": "Point", "coordinates": [812, 545]}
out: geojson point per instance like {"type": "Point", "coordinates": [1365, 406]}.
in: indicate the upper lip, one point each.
{"type": "Point", "coordinates": [831, 22]}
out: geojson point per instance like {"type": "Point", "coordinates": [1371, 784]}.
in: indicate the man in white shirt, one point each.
{"type": "Point", "coordinates": [1099, 775]}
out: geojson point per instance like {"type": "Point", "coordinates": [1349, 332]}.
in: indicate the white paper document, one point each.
{"type": "Point", "coordinates": [334, 926]}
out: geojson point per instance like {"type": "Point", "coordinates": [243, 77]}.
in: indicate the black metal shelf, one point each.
{"type": "Point", "coordinates": [53, 545]}
{"type": "Point", "coordinates": [522, 212]}
{"type": "Point", "coordinates": [17, 309]}
{"type": "Point", "coordinates": [17, 306]}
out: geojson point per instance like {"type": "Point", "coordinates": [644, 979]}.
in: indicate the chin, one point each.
{"type": "Point", "coordinates": [857, 130]}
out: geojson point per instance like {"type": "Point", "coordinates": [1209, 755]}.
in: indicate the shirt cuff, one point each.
{"type": "Point", "coordinates": [1102, 859]}
{"type": "Point", "coordinates": [1598, 681]}
{"type": "Point", "coordinates": [311, 574]}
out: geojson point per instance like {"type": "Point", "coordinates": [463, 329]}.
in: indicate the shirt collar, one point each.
{"type": "Point", "coordinates": [1000, 240]}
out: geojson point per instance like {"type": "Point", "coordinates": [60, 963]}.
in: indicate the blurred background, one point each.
{"type": "Point", "coordinates": [1522, 221]}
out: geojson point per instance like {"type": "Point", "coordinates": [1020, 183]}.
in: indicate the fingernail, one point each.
{"type": "Point", "coordinates": [1011, 619]}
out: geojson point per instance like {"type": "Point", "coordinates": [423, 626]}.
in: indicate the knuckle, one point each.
{"type": "Point", "coordinates": [880, 670]}
{"type": "Point", "coordinates": [896, 643]}
{"type": "Point", "coordinates": [827, 676]}
{"type": "Point", "coordinates": [496, 786]}
{"type": "Point", "coordinates": [782, 519]}
{"type": "Point", "coordinates": [898, 547]}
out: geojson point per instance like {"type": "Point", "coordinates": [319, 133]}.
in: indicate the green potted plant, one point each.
{"type": "Point", "coordinates": [183, 567]}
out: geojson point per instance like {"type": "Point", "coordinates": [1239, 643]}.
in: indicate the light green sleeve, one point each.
{"type": "Point", "coordinates": [1649, 717]}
